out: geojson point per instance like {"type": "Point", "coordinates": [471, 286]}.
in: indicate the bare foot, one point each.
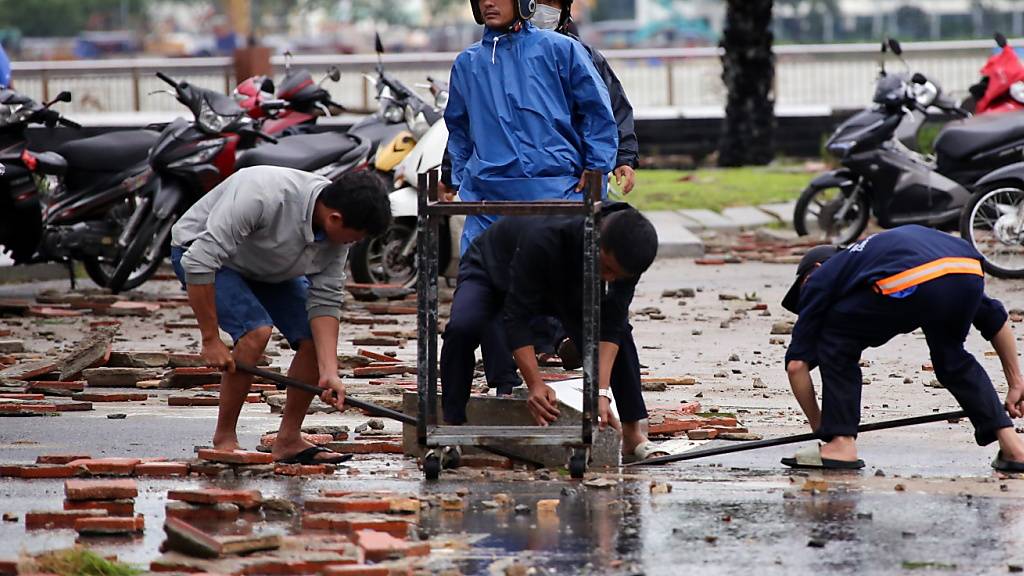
{"type": "Point", "coordinates": [842, 448]}
{"type": "Point", "coordinates": [226, 443]}
{"type": "Point", "coordinates": [285, 450]}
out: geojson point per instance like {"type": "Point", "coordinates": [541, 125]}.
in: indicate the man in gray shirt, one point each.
{"type": "Point", "coordinates": [267, 247]}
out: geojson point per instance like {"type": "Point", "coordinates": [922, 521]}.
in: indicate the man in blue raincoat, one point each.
{"type": "Point", "coordinates": [527, 114]}
{"type": "Point", "coordinates": [5, 69]}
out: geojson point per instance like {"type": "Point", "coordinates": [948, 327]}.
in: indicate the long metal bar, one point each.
{"type": "Point", "coordinates": [423, 310]}
{"type": "Point", "coordinates": [432, 245]}
{"type": "Point", "coordinates": [349, 400]}
{"type": "Point", "coordinates": [770, 442]}
{"type": "Point", "coordinates": [509, 208]}
{"type": "Point", "coordinates": [591, 304]}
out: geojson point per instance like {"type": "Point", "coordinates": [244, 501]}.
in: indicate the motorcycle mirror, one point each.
{"type": "Point", "coordinates": [64, 96]}
{"type": "Point", "coordinates": [894, 45]}
{"type": "Point", "coordinates": [287, 60]}
{"type": "Point", "coordinates": [378, 44]}
{"type": "Point", "coordinates": [918, 78]}
{"type": "Point", "coordinates": [1000, 39]}
{"type": "Point", "coordinates": [267, 86]}
{"type": "Point", "coordinates": [333, 73]}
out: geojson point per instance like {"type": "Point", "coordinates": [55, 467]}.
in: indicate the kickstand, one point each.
{"type": "Point", "coordinates": [71, 272]}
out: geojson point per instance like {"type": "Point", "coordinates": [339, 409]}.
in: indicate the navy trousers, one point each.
{"type": "Point", "coordinates": [945, 309]}
{"type": "Point", "coordinates": [476, 317]}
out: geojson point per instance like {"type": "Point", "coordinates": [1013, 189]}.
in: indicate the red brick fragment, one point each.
{"type": "Point", "coordinates": [382, 370]}
{"type": "Point", "coordinates": [108, 466]}
{"type": "Point", "coordinates": [162, 469]}
{"type": "Point", "coordinates": [357, 570]}
{"type": "Point", "coordinates": [268, 440]}
{"type": "Point", "coordinates": [60, 458]}
{"type": "Point", "coordinates": [702, 434]}
{"type": "Point", "coordinates": [126, 308]}
{"type": "Point", "coordinates": [710, 261]}
{"type": "Point", "coordinates": [377, 357]}
{"type": "Point", "coordinates": [381, 546]}
{"type": "Point", "coordinates": [110, 397]}
{"type": "Point", "coordinates": [223, 512]}
{"type": "Point", "coordinates": [100, 489]}
{"type": "Point", "coordinates": [366, 447]}
{"type": "Point", "coordinates": [190, 377]}
{"type": "Point", "coordinates": [53, 312]}
{"type": "Point", "coordinates": [110, 526]}
{"type": "Point", "coordinates": [351, 522]}
{"type": "Point", "coordinates": [303, 469]}
{"type": "Point", "coordinates": [193, 401]}
{"type": "Point", "coordinates": [56, 388]}
{"type": "Point", "coordinates": [243, 498]}
{"type": "Point", "coordinates": [48, 471]}
{"type": "Point", "coordinates": [16, 408]}
{"type": "Point", "coordinates": [673, 426]}
{"type": "Point", "coordinates": [343, 505]}
{"type": "Point", "coordinates": [16, 396]}
{"type": "Point", "coordinates": [485, 461]}
{"type": "Point", "coordinates": [59, 518]}
{"type": "Point", "coordinates": [235, 456]}
{"type": "Point", "coordinates": [125, 507]}
{"type": "Point", "coordinates": [73, 406]}
{"type": "Point", "coordinates": [187, 539]}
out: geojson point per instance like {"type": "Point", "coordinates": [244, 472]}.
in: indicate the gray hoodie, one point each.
{"type": "Point", "coordinates": [259, 222]}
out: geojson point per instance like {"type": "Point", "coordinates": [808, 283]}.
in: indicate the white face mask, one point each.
{"type": "Point", "coordinates": [546, 17]}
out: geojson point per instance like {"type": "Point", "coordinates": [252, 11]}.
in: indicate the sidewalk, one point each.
{"type": "Point", "coordinates": [678, 229]}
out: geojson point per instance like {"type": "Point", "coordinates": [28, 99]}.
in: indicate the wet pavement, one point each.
{"type": "Point", "coordinates": [927, 503]}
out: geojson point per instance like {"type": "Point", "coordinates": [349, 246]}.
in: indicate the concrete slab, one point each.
{"type": "Point", "coordinates": [702, 219]}
{"type": "Point", "coordinates": [674, 239]}
{"type": "Point", "coordinates": [783, 211]}
{"type": "Point", "coordinates": [748, 217]}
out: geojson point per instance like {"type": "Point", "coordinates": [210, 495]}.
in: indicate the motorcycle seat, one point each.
{"type": "Point", "coordinates": [51, 163]}
{"type": "Point", "coordinates": [965, 138]}
{"type": "Point", "coordinates": [112, 152]}
{"type": "Point", "coordinates": [303, 151]}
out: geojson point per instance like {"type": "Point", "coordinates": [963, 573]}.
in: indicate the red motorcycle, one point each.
{"type": "Point", "coordinates": [1001, 88]}
{"type": "Point", "coordinates": [298, 103]}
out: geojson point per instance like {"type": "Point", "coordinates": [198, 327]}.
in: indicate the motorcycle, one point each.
{"type": "Point", "coordinates": [391, 257]}
{"type": "Point", "coordinates": [1001, 88]}
{"type": "Point", "coordinates": [186, 160]}
{"type": "Point", "coordinates": [71, 204]}
{"type": "Point", "coordinates": [295, 108]}
{"type": "Point", "coordinates": [882, 176]}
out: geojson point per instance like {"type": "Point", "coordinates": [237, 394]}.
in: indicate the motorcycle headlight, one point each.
{"type": "Point", "coordinates": [1017, 91]}
{"type": "Point", "coordinates": [416, 122]}
{"type": "Point", "coordinates": [393, 113]}
{"type": "Point", "coordinates": [212, 122]}
{"type": "Point", "coordinates": [441, 100]}
{"type": "Point", "coordinates": [204, 152]}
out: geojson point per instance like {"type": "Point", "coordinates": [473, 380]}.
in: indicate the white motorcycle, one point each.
{"type": "Point", "coordinates": [391, 257]}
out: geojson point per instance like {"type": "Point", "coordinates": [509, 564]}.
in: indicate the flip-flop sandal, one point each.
{"type": "Point", "coordinates": [308, 457]}
{"type": "Point", "coordinates": [810, 458]}
{"type": "Point", "coordinates": [643, 451]}
{"type": "Point", "coordinates": [1007, 465]}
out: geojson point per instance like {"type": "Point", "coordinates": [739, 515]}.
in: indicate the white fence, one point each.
{"type": "Point", "coordinates": [681, 81]}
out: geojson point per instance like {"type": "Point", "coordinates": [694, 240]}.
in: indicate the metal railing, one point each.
{"type": "Point", "coordinates": [837, 76]}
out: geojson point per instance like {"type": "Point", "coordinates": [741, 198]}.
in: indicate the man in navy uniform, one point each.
{"type": "Point", "coordinates": [894, 283]}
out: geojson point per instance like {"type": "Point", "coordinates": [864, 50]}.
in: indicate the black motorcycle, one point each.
{"type": "Point", "coordinates": [71, 204]}
{"type": "Point", "coordinates": [881, 176]}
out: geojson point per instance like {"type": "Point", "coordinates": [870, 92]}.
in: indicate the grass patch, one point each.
{"type": "Point", "coordinates": [716, 188]}
{"type": "Point", "coordinates": [81, 562]}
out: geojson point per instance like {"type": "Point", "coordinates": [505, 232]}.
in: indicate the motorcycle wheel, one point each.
{"type": "Point", "coordinates": [816, 211]}
{"type": "Point", "coordinates": [131, 271]}
{"type": "Point", "coordinates": [379, 260]}
{"type": "Point", "coordinates": [993, 223]}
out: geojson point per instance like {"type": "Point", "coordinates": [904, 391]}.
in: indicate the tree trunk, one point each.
{"type": "Point", "coordinates": [748, 71]}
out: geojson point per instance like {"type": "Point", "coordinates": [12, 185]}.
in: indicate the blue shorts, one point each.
{"type": "Point", "coordinates": [244, 305]}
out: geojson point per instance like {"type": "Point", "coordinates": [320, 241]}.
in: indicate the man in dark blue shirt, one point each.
{"type": "Point", "coordinates": [894, 283]}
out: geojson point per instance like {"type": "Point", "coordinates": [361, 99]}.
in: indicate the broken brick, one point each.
{"type": "Point", "coordinates": [28, 370]}
{"type": "Point", "coordinates": [187, 539]}
{"type": "Point", "coordinates": [110, 397]}
{"type": "Point", "coordinates": [122, 359]}
{"type": "Point", "coordinates": [342, 505]}
{"type": "Point", "coordinates": [702, 434]}
{"type": "Point", "coordinates": [201, 400]}
{"type": "Point", "coordinates": [485, 461]}
{"type": "Point", "coordinates": [110, 526]}
{"type": "Point", "coordinates": [243, 498]}
{"type": "Point", "coordinates": [73, 406]}
{"type": "Point", "coordinates": [381, 546]}
{"type": "Point", "coordinates": [162, 469]}
{"type": "Point", "coordinates": [117, 377]}
{"type": "Point", "coordinates": [56, 388]}
{"type": "Point", "coordinates": [366, 447]}
{"type": "Point", "coordinates": [249, 543]}
{"type": "Point", "coordinates": [223, 512]}
{"type": "Point", "coordinates": [26, 409]}
{"type": "Point", "coordinates": [235, 457]}
{"type": "Point", "coordinates": [186, 361]}
{"type": "Point", "coordinates": [59, 518]}
{"type": "Point", "coordinates": [268, 440]}
{"type": "Point", "coordinates": [357, 570]}
{"type": "Point", "coordinates": [60, 458]}
{"type": "Point", "coordinates": [376, 341]}
{"type": "Point", "coordinates": [674, 426]}
{"type": "Point", "coordinates": [54, 312]}
{"type": "Point", "coordinates": [377, 357]}
{"type": "Point", "coordinates": [350, 523]}
{"type": "Point", "coordinates": [108, 466]}
{"type": "Point", "coordinates": [190, 377]}
{"type": "Point", "coordinates": [126, 308]}
{"type": "Point", "coordinates": [76, 490]}
{"type": "Point", "coordinates": [91, 351]}
{"type": "Point", "coordinates": [124, 507]}
{"type": "Point", "coordinates": [38, 471]}
{"type": "Point", "coordinates": [303, 469]}
{"type": "Point", "coordinates": [21, 396]}
{"type": "Point", "coordinates": [382, 370]}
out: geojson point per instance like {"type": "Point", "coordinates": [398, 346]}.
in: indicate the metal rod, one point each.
{"type": "Point", "coordinates": [507, 208]}
{"type": "Point", "coordinates": [768, 443]}
{"type": "Point", "coordinates": [422, 309]}
{"type": "Point", "coordinates": [349, 401]}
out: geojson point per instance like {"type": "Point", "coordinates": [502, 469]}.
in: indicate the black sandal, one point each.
{"type": "Point", "coordinates": [1011, 466]}
{"type": "Point", "coordinates": [308, 457]}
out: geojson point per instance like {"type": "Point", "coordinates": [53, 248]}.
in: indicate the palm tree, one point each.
{"type": "Point", "coordinates": [748, 71]}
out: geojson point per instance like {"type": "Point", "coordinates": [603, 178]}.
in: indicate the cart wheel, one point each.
{"type": "Point", "coordinates": [578, 464]}
{"type": "Point", "coordinates": [431, 466]}
{"type": "Point", "coordinates": [451, 457]}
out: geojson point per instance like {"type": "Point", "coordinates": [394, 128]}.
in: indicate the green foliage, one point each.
{"type": "Point", "coordinates": [37, 17]}
{"type": "Point", "coordinates": [716, 188]}
{"type": "Point", "coordinates": [81, 562]}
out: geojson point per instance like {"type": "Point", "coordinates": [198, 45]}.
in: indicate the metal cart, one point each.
{"type": "Point", "coordinates": [577, 439]}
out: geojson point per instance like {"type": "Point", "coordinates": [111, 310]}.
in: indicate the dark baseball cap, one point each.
{"type": "Point", "coordinates": [809, 262]}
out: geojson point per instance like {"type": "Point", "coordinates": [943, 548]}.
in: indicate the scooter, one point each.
{"type": "Point", "coordinates": [1001, 88]}
{"type": "Point", "coordinates": [296, 107]}
{"type": "Point", "coordinates": [71, 204]}
{"type": "Point", "coordinates": [881, 176]}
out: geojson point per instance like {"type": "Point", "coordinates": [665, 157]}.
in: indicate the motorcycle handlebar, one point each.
{"type": "Point", "coordinates": [167, 79]}
{"type": "Point", "coordinates": [69, 123]}
{"type": "Point", "coordinates": [266, 137]}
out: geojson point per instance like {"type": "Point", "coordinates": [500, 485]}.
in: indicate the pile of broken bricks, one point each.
{"type": "Point", "coordinates": [93, 508]}
{"type": "Point", "coordinates": [763, 245]}
{"type": "Point", "coordinates": [687, 420]}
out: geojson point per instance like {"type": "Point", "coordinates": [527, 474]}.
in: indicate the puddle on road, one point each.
{"type": "Point", "coordinates": [737, 524]}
